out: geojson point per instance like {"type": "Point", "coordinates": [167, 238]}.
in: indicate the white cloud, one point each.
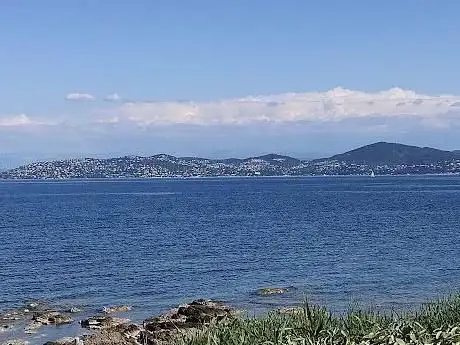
{"type": "Point", "coordinates": [111, 120]}
{"type": "Point", "coordinates": [75, 96]}
{"type": "Point", "coordinates": [334, 105]}
{"type": "Point", "coordinates": [114, 97]}
{"type": "Point", "coordinates": [18, 121]}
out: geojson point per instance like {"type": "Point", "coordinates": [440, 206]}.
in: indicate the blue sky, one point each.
{"type": "Point", "coordinates": [210, 77]}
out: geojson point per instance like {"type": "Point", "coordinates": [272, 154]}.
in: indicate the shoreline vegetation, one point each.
{"type": "Point", "coordinates": [435, 322]}
{"type": "Point", "coordinates": [208, 322]}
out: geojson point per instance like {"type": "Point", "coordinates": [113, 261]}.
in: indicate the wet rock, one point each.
{"type": "Point", "coordinates": [30, 318]}
{"type": "Point", "coordinates": [66, 341]}
{"type": "Point", "coordinates": [32, 327]}
{"type": "Point", "coordinates": [116, 309]}
{"type": "Point", "coordinates": [11, 319]}
{"type": "Point", "coordinates": [51, 318]}
{"type": "Point", "coordinates": [272, 291]}
{"type": "Point", "coordinates": [6, 328]}
{"type": "Point", "coordinates": [101, 322]}
{"type": "Point", "coordinates": [291, 310]}
{"type": "Point", "coordinates": [11, 316]}
{"type": "Point", "coordinates": [37, 305]}
{"type": "Point", "coordinates": [74, 310]}
{"type": "Point", "coordinates": [15, 342]}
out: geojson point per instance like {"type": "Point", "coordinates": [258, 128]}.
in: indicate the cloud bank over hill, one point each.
{"type": "Point", "coordinates": [288, 123]}
{"type": "Point", "coordinates": [334, 105]}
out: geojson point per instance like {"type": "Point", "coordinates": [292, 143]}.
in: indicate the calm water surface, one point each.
{"type": "Point", "coordinates": [384, 241]}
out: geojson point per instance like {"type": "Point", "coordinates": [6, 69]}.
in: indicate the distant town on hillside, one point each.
{"type": "Point", "coordinates": [379, 158]}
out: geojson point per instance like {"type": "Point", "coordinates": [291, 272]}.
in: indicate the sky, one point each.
{"type": "Point", "coordinates": [225, 78]}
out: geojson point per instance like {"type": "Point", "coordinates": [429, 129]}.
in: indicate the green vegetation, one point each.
{"type": "Point", "coordinates": [432, 323]}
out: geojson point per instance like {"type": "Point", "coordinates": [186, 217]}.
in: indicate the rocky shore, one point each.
{"type": "Point", "coordinates": [106, 329]}
{"type": "Point", "coordinates": [107, 326]}
{"type": "Point", "coordinates": [204, 322]}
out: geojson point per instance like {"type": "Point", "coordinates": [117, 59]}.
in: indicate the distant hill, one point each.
{"type": "Point", "coordinates": [382, 153]}
{"type": "Point", "coordinates": [160, 165]}
{"type": "Point", "coordinates": [382, 158]}
{"type": "Point", "coordinates": [279, 160]}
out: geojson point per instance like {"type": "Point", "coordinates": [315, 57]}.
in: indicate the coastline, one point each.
{"type": "Point", "coordinates": [196, 321]}
{"type": "Point", "coordinates": [223, 177]}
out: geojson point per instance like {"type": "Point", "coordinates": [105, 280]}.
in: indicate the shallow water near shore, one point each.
{"type": "Point", "coordinates": [387, 242]}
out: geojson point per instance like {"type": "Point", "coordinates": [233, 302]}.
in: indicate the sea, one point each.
{"type": "Point", "coordinates": [389, 243]}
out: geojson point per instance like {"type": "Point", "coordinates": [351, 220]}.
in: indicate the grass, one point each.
{"type": "Point", "coordinates": [433, 323]}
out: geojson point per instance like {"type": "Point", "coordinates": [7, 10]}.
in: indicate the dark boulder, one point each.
{"type": "Point", "coordinates": [184, 320]}
{"type": "Point", "coordinates": [201, 311]}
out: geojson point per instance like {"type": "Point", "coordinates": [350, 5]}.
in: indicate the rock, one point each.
{"type": "Point", "coordinates": [129, 330]}
{"type": "Point", "coordinates": [201, 312]}
{"type": "Point", "coordinates": [186, 319]}
{"type": "Point", "coordinates": [101, 322]}
{"type": "Point", "coordinates": [11, 316]}
{"type": "Point", "coordinates": [51, 318]}
{"type": "Point", "coordinates": [74, 310]}
{"type": "Point", "coordinates": [116, 309]}
{"type": "Point", "coordinates": [32, 327]}
{"type": "Point", "coordinates": [5, 328]}
{"type": "Point", "coordinates": [272, 291]}
{"type": "Point", "coordinates": [122, 334]}
{"type": "Point", "coordinates": [10, 320]}
{"type": "Point", "coordinates": [108, 337]}
{"type": "Point", "coordinates": [37, 305]}
{"type": "Point", "coordinates": [21, 317]}
{"type": "Point", "coordinates": [15, 342]}
{"type": "Point", "coordinates": [190, 315]}
{"type": "Point", "coordinates": [66, 341]}
{"type": "Point", "coordinates": [291, 310]}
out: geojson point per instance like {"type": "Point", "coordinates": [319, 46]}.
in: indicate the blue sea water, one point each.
{"type": "Point", "coordinates": [387, 242]}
